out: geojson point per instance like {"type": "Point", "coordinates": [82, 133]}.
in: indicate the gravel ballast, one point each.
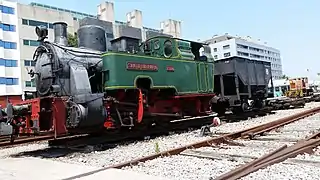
{"type": "Point", "coordinates": [187, 167]}
{"type": "Point", "coordinates": [190, 167]}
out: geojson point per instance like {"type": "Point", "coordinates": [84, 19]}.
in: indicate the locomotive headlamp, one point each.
{"type": "Point", "coordinates": [42, 32]}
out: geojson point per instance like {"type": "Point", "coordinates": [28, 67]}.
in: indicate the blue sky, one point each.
{"type": "Point", "coordinates": [292, 26]}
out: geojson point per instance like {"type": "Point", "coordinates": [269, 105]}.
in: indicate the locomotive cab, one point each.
{"type": "Point", "coordinates": [175, 48]}
{"type": "Point", "coordinates": [168, 73]}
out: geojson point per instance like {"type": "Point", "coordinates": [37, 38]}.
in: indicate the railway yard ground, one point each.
{"type": "Point", "coordinates": [203, 163]}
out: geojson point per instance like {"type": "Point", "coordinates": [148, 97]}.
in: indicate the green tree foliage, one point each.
{"type": "Point", "coordinates": [73, 40]}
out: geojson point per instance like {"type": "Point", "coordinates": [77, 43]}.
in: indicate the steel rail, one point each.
{"type": "Point", "coordinates": [80, 139]}
{"type": "Point", "coordinates": [221, 139]}
{"type": "Point", "coordinates": [22, 140]}
{"type": "Point", "coordinates": [208, 142]}
{"type": "Point", "coordinates": [134, 134]}
{"type": "Point", "coordinates": [279, 155]}
{"type": "Point", "coordinates": [275, 124]}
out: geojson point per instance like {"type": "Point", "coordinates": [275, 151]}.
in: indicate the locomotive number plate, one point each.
{"type": "Point", "coordinates": [141, 66]}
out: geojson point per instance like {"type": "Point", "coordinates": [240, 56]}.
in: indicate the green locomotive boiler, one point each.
{"type": "Point", "coordinates": [173, 78]}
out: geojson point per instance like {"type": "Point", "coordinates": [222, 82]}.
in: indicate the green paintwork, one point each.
{"type": "Point", "coordinates": [189, 75]}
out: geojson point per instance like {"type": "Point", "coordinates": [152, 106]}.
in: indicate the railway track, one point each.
{"type": "Point", "coordinates": [175, 126]}
{"type": "Point", "coordinates": [82, 140]}
{"type": "Point", "coordinates": [276, 156]}
{"type": "Point", "coordinates": [77, 141]}
{"type": "Point", "coordinates": [209, 150]}
{"type": "Point", "coordinates": [138, 134]}
{"type": "Point", "coordinates": [5, 141]}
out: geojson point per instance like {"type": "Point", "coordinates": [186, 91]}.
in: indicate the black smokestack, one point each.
{"type": "Point", "coordinates": [60, 33]}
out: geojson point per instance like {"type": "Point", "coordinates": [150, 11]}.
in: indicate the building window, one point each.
{"type": "Point", "coordinates": [256, 49]}
{"type": "Point", "coordinates": [30, 84]}
{"type": "Point", "coordinates": [226, 54]}
{"type": "Point", "coordinates": [12, 28]}
{"type": "Point", "coordinates": [8, 27]}
{"type": "Point", "coordinates": [36, 23]}
{"type": "Point", "coordinates": [15, 81]}
{"type": "Point", "coordinates": [11, 63]}
{"type": "Point", "coordinates": [226, 47]}
{"type": "Point", "coordinates": [26, 42]}
{"type": "Point", "coordinates": [24, 22]}
{"type": "Point", "coordinates": [8, 45]}
{"type": "Point", "coordinates": [8, 63]}
{"type": "Point", "coordinates": [256, 56]}
{"type": "Point", "coordinates": [12, 81]}
{"type": "Point", "coordinates": [215, 56]}
{"type": "Point", "coordinates": [2, 80]}
{"type": "Point", "coordinates": [9, 81]}
{"type": "Point", "coordinates": [31, 42]}
{"type": "Point", "coordinates": [13, 45]}
{"type": "Point", "coordinates": [29, 63]}
{"type": "Point", "coordinates": [5, 27]}
{"type": "Point", "coordinates": [242, 46]}
{"type": "Point", "coordinates": [34, 43]}
{"type": "Point", "coordinates": [242, 53]}
{"type": "Point", "coordinates": [6, 9]}
{"type": "Point", "coordinates": [215, 49]}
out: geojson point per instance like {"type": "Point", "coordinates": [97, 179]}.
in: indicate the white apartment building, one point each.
{"type": "Point", "coordinates": [227, 46]}
{"type": "Point", "coordinates": [10, 74]}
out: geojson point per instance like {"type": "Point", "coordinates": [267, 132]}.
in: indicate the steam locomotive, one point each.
{"type": "Point", "coordinates": [86, 89]}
